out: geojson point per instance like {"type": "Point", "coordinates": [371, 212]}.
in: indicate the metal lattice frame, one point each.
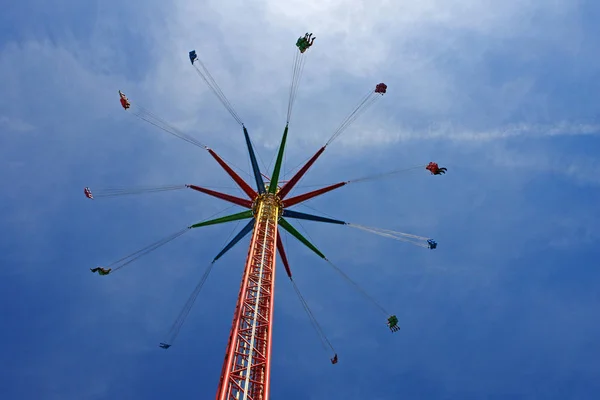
{"type": "Point", "coordinates": [246, 370]}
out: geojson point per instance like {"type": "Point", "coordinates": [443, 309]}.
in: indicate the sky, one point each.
{"type": "Point", "coordinates": [503, 94]}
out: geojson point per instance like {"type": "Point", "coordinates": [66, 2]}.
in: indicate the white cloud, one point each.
{"type": "Point", "coordinates": [398, 42]}
{"type": "Point", "coordinates": [582, 169]}
{"type": "Point", "coordinates": [363, 136]}
{"type": "Point", "coordinates": [15, 124]}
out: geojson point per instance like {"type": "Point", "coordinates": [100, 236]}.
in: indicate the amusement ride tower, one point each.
{"type": "Point", "coordinates": [245, 374]}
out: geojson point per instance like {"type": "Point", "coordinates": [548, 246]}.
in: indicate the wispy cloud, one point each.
{"type": "Point", "coordinates": [363, 136]}
{"type": "Point", "coordinates": [15, 124]}
{"type": "Point", "coordinates": [581, 169]}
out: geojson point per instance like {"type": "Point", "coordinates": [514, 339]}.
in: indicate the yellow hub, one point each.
{"type": "Point", "coordinates": [272, 201]}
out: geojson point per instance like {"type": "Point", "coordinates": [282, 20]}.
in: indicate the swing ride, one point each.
{"type": "Point", "coordinates": [247, 365]}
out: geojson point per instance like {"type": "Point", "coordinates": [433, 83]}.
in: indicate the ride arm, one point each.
{"type": "Point", "coordinates": [283, 256]}
{"type": "Point", "coordinates": [306, 196]}
{"type": "Point", "coordinates": [227, 218]}
{"type": "Point", "coordinates": [260, 184]}
{"type": "Point", "coordinates": [277, 168]}
{"type": "Point", "coordinates": [311, 217]}
{"type": "Point", "coordinates": [241, 183]}
{"type": "Point", "coordinates": [223, 196]}
{"type": "Point", "coordinates": [286, 225]}
{"type": "Point", "coordinates": [247, 229]}
{"type": "Point", "coordinates": [285, 190]}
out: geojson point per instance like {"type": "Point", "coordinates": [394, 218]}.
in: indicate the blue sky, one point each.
{"type": "Point", "coordinates": [504, 95]}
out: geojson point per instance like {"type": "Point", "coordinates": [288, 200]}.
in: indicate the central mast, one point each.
{"type": "Point", "coordinates": [247, 365]}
